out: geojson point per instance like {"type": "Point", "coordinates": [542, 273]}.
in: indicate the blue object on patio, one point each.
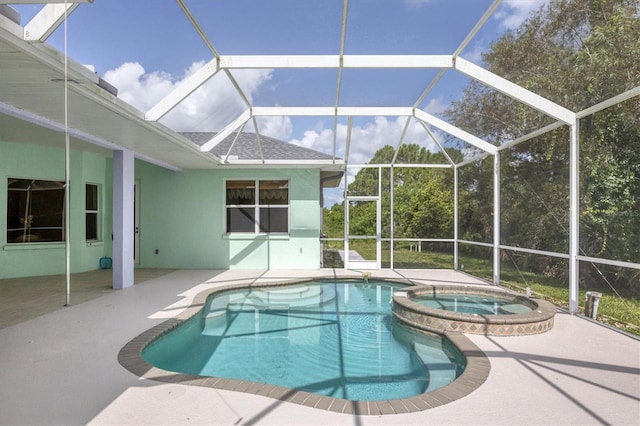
{"type": "Point", "coordinates": [105, 262]}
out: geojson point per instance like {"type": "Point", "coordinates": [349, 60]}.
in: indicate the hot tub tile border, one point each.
{"type": "Point", "coordinates": [422, 317]}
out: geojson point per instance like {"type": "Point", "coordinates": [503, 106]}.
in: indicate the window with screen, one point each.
{"type": "Point", "coordinates": [35, 211]}
{"type": "Point", "coordinates": [257, 206]}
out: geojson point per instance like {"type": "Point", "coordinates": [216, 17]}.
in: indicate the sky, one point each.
{"type": "Point", "coordinates": [145, 48]}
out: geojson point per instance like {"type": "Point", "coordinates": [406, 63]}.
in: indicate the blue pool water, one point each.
{"type": "Point", "coordinates": [334, 339]}
{"type": "Point", "coordinates": [473, 304]}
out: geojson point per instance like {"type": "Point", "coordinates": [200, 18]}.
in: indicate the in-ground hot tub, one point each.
{"type": "Point", "coordinates": [472, 309]}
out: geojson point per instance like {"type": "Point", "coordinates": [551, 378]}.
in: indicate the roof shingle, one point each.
{"type": "Point", "coordinates": [247, 147]}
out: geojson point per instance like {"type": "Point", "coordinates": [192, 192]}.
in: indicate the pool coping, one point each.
{"type": "Point", "coordinates": [475, 373]}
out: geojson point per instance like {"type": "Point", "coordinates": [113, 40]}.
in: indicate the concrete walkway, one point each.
{"type": "Point", "coordinates": [24, 298]}
{"type": "Point", "coordinates": [62, 368]}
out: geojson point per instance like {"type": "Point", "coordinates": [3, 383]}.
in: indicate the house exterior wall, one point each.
{"type": "Point", "coordinates": [45, 163]}
{"type": "Point", "coordinates": [183, 217]}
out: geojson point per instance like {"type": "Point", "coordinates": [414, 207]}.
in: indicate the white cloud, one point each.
{"type": "Point", "coordinates": [332, 196]}
{"type": "Point", "coordinates": [436, 106]}
{"type": "Point", "coordinates": [367, 139]}
{"type": "Point", "coordinates": [275, 127]}
{"type": "Point", "coordinates": [214, 105]}
{"type": "Point", "coordinates": [138, 88]}
{"type": "Point", "coordinates": [513, 12]}
{"type": "Point", "coordinates": [473, 53]}
{"type": "Point", "coordinates": [319, 140]}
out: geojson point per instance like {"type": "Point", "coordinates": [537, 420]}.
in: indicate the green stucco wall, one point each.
{"type": "Point", "coordinates": [46, 163]}
{"type": "Point", "coordinates": [182, 216]}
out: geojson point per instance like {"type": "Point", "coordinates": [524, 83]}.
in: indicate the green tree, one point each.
{"type": "Point", "coordinates": [333, 221]}
{"type": "Point", "coordinates": [423, 197]}
{"type": "Point", "coordinates": [576, 53]}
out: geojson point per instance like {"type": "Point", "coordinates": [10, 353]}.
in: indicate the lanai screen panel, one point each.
{"type": "Point", "coordinates": [475, 215]}
{"type": "Point", "coordinates": [610, 194]}
{"type": "Point", "coordinates": [274, 27]}
{"type": "Point", "coordinates": [534, 193]}
{"type": "Point", "coordinates": [408, 27]}
{"type": "Point", "coordinates": [383, 87]}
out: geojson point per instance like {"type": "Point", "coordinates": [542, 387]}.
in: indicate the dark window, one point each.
{"type": "Point", "coordinates": [241, 219]}
{"type": "Point", "coordinates": [274, 220]}
{"type": "Point", "coordinates": [92, 213]}
{"type": "Point", "coordinates": [270, 214]}
{"type": "Point", "coordinates": [35, 211]}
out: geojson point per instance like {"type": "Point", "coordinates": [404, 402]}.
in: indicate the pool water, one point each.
{"type": "Point", "coordinates": [331, 338]}
{"type": "Point", "coordinates": [473, 304]}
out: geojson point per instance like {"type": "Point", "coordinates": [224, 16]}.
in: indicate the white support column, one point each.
{"type": "Point", "coordinates": [346, 225]}
{"type": "Point", "coordinates": [574, 223]}
{"type": "Point", "coordinates": [496, 219]}
{"type": "Point", "coordinates": [391, 211]}
{"type": "Point", "coordinates": [455, 218]}
{"type": "Point", "coordinates": [123, 199]}
{"type": "Point", "coordinates": [379, 221]}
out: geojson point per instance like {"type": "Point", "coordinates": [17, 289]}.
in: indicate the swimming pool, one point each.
{"type": "Point", "coordinates": [475, 372]}
{"type": "Point", "coordinates": [335, 339]}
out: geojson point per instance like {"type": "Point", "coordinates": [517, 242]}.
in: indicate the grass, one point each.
{"type": "Point", "coordinates": [621, 311]}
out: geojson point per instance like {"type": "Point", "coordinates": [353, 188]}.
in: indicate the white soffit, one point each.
{"type": "Point", "coordinates": [32, 81]}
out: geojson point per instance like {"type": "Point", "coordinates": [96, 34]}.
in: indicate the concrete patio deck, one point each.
{"type": "Point", "coordinates": [61, 367]}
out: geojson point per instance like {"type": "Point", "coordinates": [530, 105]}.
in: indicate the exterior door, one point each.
{"type": "Point", "coordinates": [136, 222]}
{"type": "Point", "coordinates": [362, 243]}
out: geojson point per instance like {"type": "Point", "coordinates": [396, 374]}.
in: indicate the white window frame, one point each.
{"type": "Point", "coordinates": [257, 206]}
{"type": "Point", "coordinates": [96, 212]}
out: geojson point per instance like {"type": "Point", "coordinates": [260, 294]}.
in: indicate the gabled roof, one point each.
{"type": "Point", "coordinates": [248, 146]}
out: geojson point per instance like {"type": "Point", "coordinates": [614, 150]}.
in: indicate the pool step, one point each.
{"type": "Point", "coordinates": [276, 298]}
{"type": "Point", "coordinates": [286, 297]}
{"type": "Point", "coordinates": [441, 370]}
{"type": "Point", "coordinates": [217, 307]}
